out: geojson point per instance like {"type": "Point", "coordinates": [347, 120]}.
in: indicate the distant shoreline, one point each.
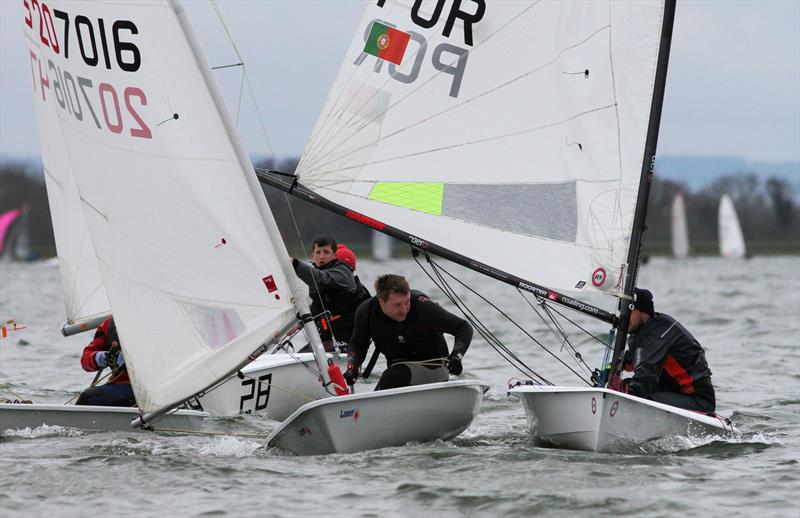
{"type": "Point", "coordinates": [711, 248]}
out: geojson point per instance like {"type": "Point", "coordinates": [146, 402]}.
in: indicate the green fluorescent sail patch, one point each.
{"type": "Point", "coordinates": [422, 196]}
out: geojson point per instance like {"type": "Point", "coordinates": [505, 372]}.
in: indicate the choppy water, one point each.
{"type": "Point", "coordinates": [747, 315]}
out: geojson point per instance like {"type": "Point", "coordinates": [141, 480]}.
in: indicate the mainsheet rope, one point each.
{"type": "Point", "coordinates": [501, 348]}
{"type": "Point", "coordinates": [557, 329]}
{"type": "Point", "coordinates": [484, 331]}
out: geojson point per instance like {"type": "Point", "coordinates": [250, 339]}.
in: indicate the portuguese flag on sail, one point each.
{"type": "Point", "coordinates": [387, 43]}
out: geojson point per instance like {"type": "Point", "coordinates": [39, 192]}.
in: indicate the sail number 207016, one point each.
{"type": "Point", "coordinates": [69, 38]}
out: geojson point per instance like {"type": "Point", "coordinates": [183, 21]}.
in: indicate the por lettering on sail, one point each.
{"type": "Point", "coordinates": [410, 47]}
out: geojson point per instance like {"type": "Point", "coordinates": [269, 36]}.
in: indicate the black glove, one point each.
{"type": "Point", "coordinates": [351, 374]}
{"type": "Point", "coordinates": [454, 363]}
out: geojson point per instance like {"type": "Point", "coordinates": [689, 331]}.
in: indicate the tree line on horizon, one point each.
{"type": "Point", "coordinates": [767, 209]}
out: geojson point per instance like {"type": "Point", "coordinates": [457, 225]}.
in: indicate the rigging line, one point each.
{"type": "Point", "coordinates": [456, 106]}
{"type": "Point", "coordinates": [558, 332]}
{"type": "Point", "coordinates": [490, 338]}
{"type": "Point", "coordinates": [17, 395]}
{"type": "Point", "coordinates": [477, 141]}
{"type": "Point", "coordinates": [592, 335]}
{"type": "Point", "coordinates": [536, 310]}
{"type": "Point", "coordinates": [438, 73]}
{"type": "Point", "coordinates": [487, 331]}
{"type": "Point", "coordinates": [221, 67]}
{"type": "Point", "coordinates": [305, 255]}
{"type": "Point", "coordinates": [513, 322]}
{"type": "Point", "coordinates": [481, 330]}
{"type": "Point", "coordinates": [241, 95]}
{"type": "Point", "coordinates": [245, 76]}
{"type": "Point", "coordinates": [566, 341]}
{"type": "Point", "coordinates": [577, 357]}
{"type": "Point", "coordinates": [97, 379]}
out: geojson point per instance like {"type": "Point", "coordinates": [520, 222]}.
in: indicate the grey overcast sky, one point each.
{"type": "Point", "coordinates": [733, 86]}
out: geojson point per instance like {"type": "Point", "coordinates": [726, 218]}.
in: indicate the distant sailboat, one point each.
{"type": "Point", "coordinates": [7, 220]}
{"type": "Point", "coordinates": [382, 246]}
{"type": "Point", "coordinates": [15, 235]}
{"type": "Point", "coordinates": [731, 239]}
{"type": "Point", "coordinates": [680, 228]}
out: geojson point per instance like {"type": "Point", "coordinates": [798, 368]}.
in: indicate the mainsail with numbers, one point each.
{"type": "Point", "coordinates": [137, 142]}
{"type": "Point", "coordinates": [513, 137]}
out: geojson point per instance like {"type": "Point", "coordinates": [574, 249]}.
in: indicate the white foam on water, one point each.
{"type": "Point", "coordinates": [229, 446]}
{"type": "Point", "coordinates": [43, 431]}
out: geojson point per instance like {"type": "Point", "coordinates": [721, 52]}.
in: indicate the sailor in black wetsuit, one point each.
{"type": "Point", "coordinates": [407, 327]}
{"type": "Point", "coordinates": [669, 365]}
{"type": "Point", "coordinates": [332, 288]}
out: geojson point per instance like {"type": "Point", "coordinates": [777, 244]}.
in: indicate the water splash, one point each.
{"type": "Point", "coordinates": [230, 447]}
{"type": "Point", "coordinates": [43, 431]}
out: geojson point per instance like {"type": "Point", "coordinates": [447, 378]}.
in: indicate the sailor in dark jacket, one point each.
{"type": "Point", "coordinates": [669, 365]}
{"type": "Point", "coordinates": [407, 327]}
{"type": "Point", "coordinates": [332, 288]}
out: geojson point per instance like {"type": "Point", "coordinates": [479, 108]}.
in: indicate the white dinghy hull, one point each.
{"type": "Point", "coordinates": [274, 384]}
{"type": "Point", "coordinates": [16, 416]}
{"type": "Point", "coordinates": [602, 420]}
{"type": "Point", "coordinates": [359, 422]}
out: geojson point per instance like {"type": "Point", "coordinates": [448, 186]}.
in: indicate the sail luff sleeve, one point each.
{"type": "Point", "coordinates": [648, 163]}
{"type": "Point", "coordinates": [298, 299]}
{"type": "Point", "coordinates": [300, 191]}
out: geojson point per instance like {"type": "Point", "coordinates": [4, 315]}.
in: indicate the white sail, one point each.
{"type": "Point", "coordinates": [84, 295]}
{"type": "Point", "coordinates": [731, 239]}
{"type": "Point", "coordinates": [382, 246]}
{"type": "Point", "coordinates": [182, 232]}
{"type": "Point", "coordinates": [513, 135]}
{"type": "Point", "coordinates": [680, 228]}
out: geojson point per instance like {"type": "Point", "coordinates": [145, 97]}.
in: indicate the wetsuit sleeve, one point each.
{"type": "Point", "coordinates": [98, 343]}
{"type": "Point", "coordinates": [450, 324]}
{"type": "Point", "coordinates": [359, 342]}
{"type": "Point", "coordinates": [647, 365]}
{"type": "Point", "coordinates": [325, 279]}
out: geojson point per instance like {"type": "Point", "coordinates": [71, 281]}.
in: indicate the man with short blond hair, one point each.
{"type": "Point", "coordinates": [408, 328]}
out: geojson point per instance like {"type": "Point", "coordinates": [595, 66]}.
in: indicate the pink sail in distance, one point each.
{"type": "Point", "coordinates": [6, 219]}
